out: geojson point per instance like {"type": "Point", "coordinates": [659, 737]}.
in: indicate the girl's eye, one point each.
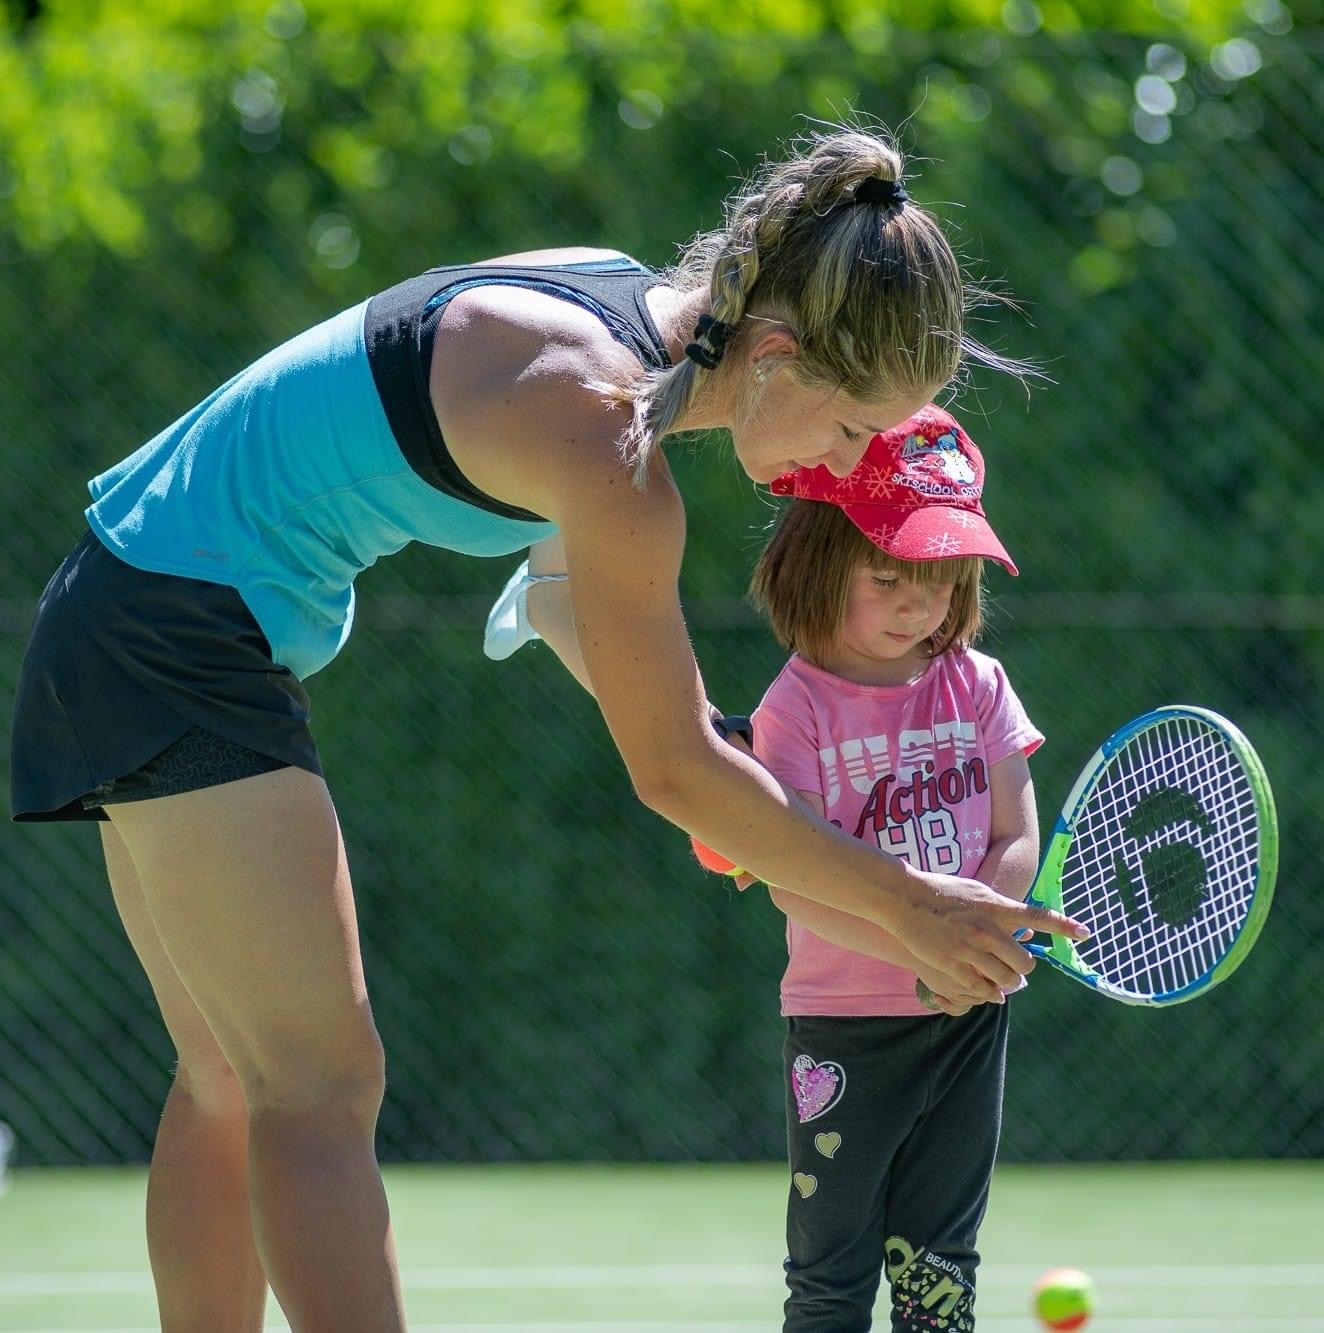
{"type": "Point", "coordinates": [851, 435]}
{"type": "Point", "coordinates": [887, 584]}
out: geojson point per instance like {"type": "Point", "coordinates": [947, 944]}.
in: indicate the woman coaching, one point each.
{"type": "Point", "coordinates": [481, 409]}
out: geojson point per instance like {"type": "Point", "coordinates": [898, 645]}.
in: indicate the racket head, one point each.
{"type": "Point", "coordinates": [1167, 849]}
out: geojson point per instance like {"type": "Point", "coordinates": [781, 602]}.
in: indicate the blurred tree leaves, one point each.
{"type": "Point", "coordinates": [244, 168]}
{"type": "Point", "coordinates": [116, 119]}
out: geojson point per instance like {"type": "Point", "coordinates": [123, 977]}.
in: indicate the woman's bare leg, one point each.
{"type": "Point", "coordinates": [247, 887]}
{"type": "Point", "coordinates": [208, 1276]}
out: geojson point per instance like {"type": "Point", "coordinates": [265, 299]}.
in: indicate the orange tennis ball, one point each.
{"type": "Point", "coordinates": [714, 861]}
{"type": "Point", "coordinates": [1064, 1299]}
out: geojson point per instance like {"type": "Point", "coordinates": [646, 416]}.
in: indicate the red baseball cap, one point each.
{"type": "Point", "coordinates": [915, 493]}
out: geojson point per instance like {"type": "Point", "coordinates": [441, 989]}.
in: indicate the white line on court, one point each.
{"type": "Point", "coordinates": [1136, 1324]}
{"type": "Point", "coordinates": [1182, 1275]}
{"type": "Point", "coordinates": [642, 1277]}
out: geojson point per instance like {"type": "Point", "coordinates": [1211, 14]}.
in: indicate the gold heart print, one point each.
{"type": "Point", "coordinates": [805, 1184]}
{"type": "Point", "coordinates": [828, 1144]}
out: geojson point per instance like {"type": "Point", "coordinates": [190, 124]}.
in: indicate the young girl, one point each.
{"type": "Point", "coordinates": [889, 724]}
{"type": "Point", "coordinates": [478, 408]}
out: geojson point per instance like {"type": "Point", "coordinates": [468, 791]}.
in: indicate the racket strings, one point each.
{"type": "Point", "coordinates": [1193, 951]}
{"type": "Point", "coordinates": [1133, 942]}
{"type": "Point", "coordinates": [1163, 859]}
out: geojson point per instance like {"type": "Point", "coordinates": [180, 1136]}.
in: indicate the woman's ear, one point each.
{"type": "Point", "coordinates": [774, 342]}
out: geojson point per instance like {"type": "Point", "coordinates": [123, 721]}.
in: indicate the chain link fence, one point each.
{"type": "Point", "coordinates": [553, 977]}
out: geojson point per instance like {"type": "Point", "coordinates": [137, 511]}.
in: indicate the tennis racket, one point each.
{"type": "Point", "coordinates": [1167, 849]}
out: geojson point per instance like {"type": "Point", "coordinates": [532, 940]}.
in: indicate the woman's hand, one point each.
{"type": "Point", "coordinates": [955, 1005]}
{"type": "Point", "coordinates": [971, 959]}
{"type": "Point", "coordinates": [934, 999]}
{"type": "Point", "coordinates": [962, 931]}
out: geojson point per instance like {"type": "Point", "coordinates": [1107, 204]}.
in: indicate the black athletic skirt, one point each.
{"type": "Point", "coordinates": [137, 685]}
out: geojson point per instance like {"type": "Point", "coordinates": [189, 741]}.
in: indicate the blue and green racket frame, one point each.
{"type": "Point", "coordinates": [1171, 916]}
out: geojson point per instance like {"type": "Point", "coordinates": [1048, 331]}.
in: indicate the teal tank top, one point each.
{"type": "Point", "coordinates": [289, 480]}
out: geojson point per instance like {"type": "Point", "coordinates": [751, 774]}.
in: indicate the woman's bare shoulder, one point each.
{"type": "Point", "coordinates": [511, 383]}
{"type": "Point", "coordinates": [571, 254]}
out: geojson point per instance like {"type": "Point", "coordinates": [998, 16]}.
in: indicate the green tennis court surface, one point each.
{"type": "Point", "coordinates": [1174, 1249]}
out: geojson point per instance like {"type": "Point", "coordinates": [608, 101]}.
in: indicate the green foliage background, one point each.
{"type": "Point", "coordinates": [182, 186]}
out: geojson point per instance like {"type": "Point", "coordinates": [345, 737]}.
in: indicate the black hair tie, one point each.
{"type": "Point", "coordinates": [875, 190]}
{"type": "Point", "coordinates": [710, 339]}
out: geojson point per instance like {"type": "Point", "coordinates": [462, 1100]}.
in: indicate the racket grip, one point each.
{"type": "Point", "coordinates": [714, 861]}
{"type": "Point", "coordinates": [725, 727]}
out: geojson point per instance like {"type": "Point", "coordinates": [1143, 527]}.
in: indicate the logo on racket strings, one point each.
{"type": "Point", "coordinates": [1174, 872]}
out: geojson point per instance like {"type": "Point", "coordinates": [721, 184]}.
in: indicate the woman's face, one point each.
{"type": "Point", "coordinates": [791, 426]}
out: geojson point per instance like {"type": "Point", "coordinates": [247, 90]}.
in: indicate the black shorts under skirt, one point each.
{"type": "Point", "coordinates": [137, 685]}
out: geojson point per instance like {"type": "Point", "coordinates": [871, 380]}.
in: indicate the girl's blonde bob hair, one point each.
{"type": "Point", "coordinates": [803, 577]}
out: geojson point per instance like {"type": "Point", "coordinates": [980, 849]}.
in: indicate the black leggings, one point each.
{"type": "Point", "coordinates": [892, 1128]}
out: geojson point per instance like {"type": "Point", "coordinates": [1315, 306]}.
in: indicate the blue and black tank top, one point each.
{"type": "Point", "coordinates": [325, 455]}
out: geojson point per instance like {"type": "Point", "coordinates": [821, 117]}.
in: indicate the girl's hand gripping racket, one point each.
{"type": "Point", "coordinates": [1167, 849]}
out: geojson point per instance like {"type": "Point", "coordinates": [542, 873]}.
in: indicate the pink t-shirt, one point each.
{"type": "Point", "coordinates": [902, 767]}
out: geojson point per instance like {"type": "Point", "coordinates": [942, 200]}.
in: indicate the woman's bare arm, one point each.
{"type": "Point", "coordinates": [1008, 866]}
{"type": "Point", "coordinates": [522, 424]}
{"type": "Point", "coordinates": [551, 611]}
{"type": "Point", "coordinates": [636, 652]}
{"type": "Point", "coordinates": [838, 927]}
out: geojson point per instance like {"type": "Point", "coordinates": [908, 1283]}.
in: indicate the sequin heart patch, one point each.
{"type": "Point", "coordinates": [817, 1087]}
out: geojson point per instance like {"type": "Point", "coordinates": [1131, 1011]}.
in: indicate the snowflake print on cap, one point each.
{"type": "Point", "coordinates": [943, 544]}
{"type": "Point", "coordinates": [915, 493]}
{"type": "Point", "coordinates": [882, 534]}
{"type": "Point", "coordinates": [876, 482]}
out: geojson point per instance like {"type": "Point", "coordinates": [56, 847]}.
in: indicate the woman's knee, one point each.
{"type": "Point", "coordinates": [351, 1079]}
{"type": "Point", "coordinates": [211, 1085]}
{"type": "Point", "coordinates": [346, 1078]}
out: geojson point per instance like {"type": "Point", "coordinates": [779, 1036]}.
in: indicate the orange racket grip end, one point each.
{"type": "Point", "coordinates": [714, 861]}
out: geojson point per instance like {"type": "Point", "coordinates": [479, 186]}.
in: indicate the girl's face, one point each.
{"type": "Point", "coordinates": [791, 426]}
{"type": "Point", "coordinates": [886, 628]}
